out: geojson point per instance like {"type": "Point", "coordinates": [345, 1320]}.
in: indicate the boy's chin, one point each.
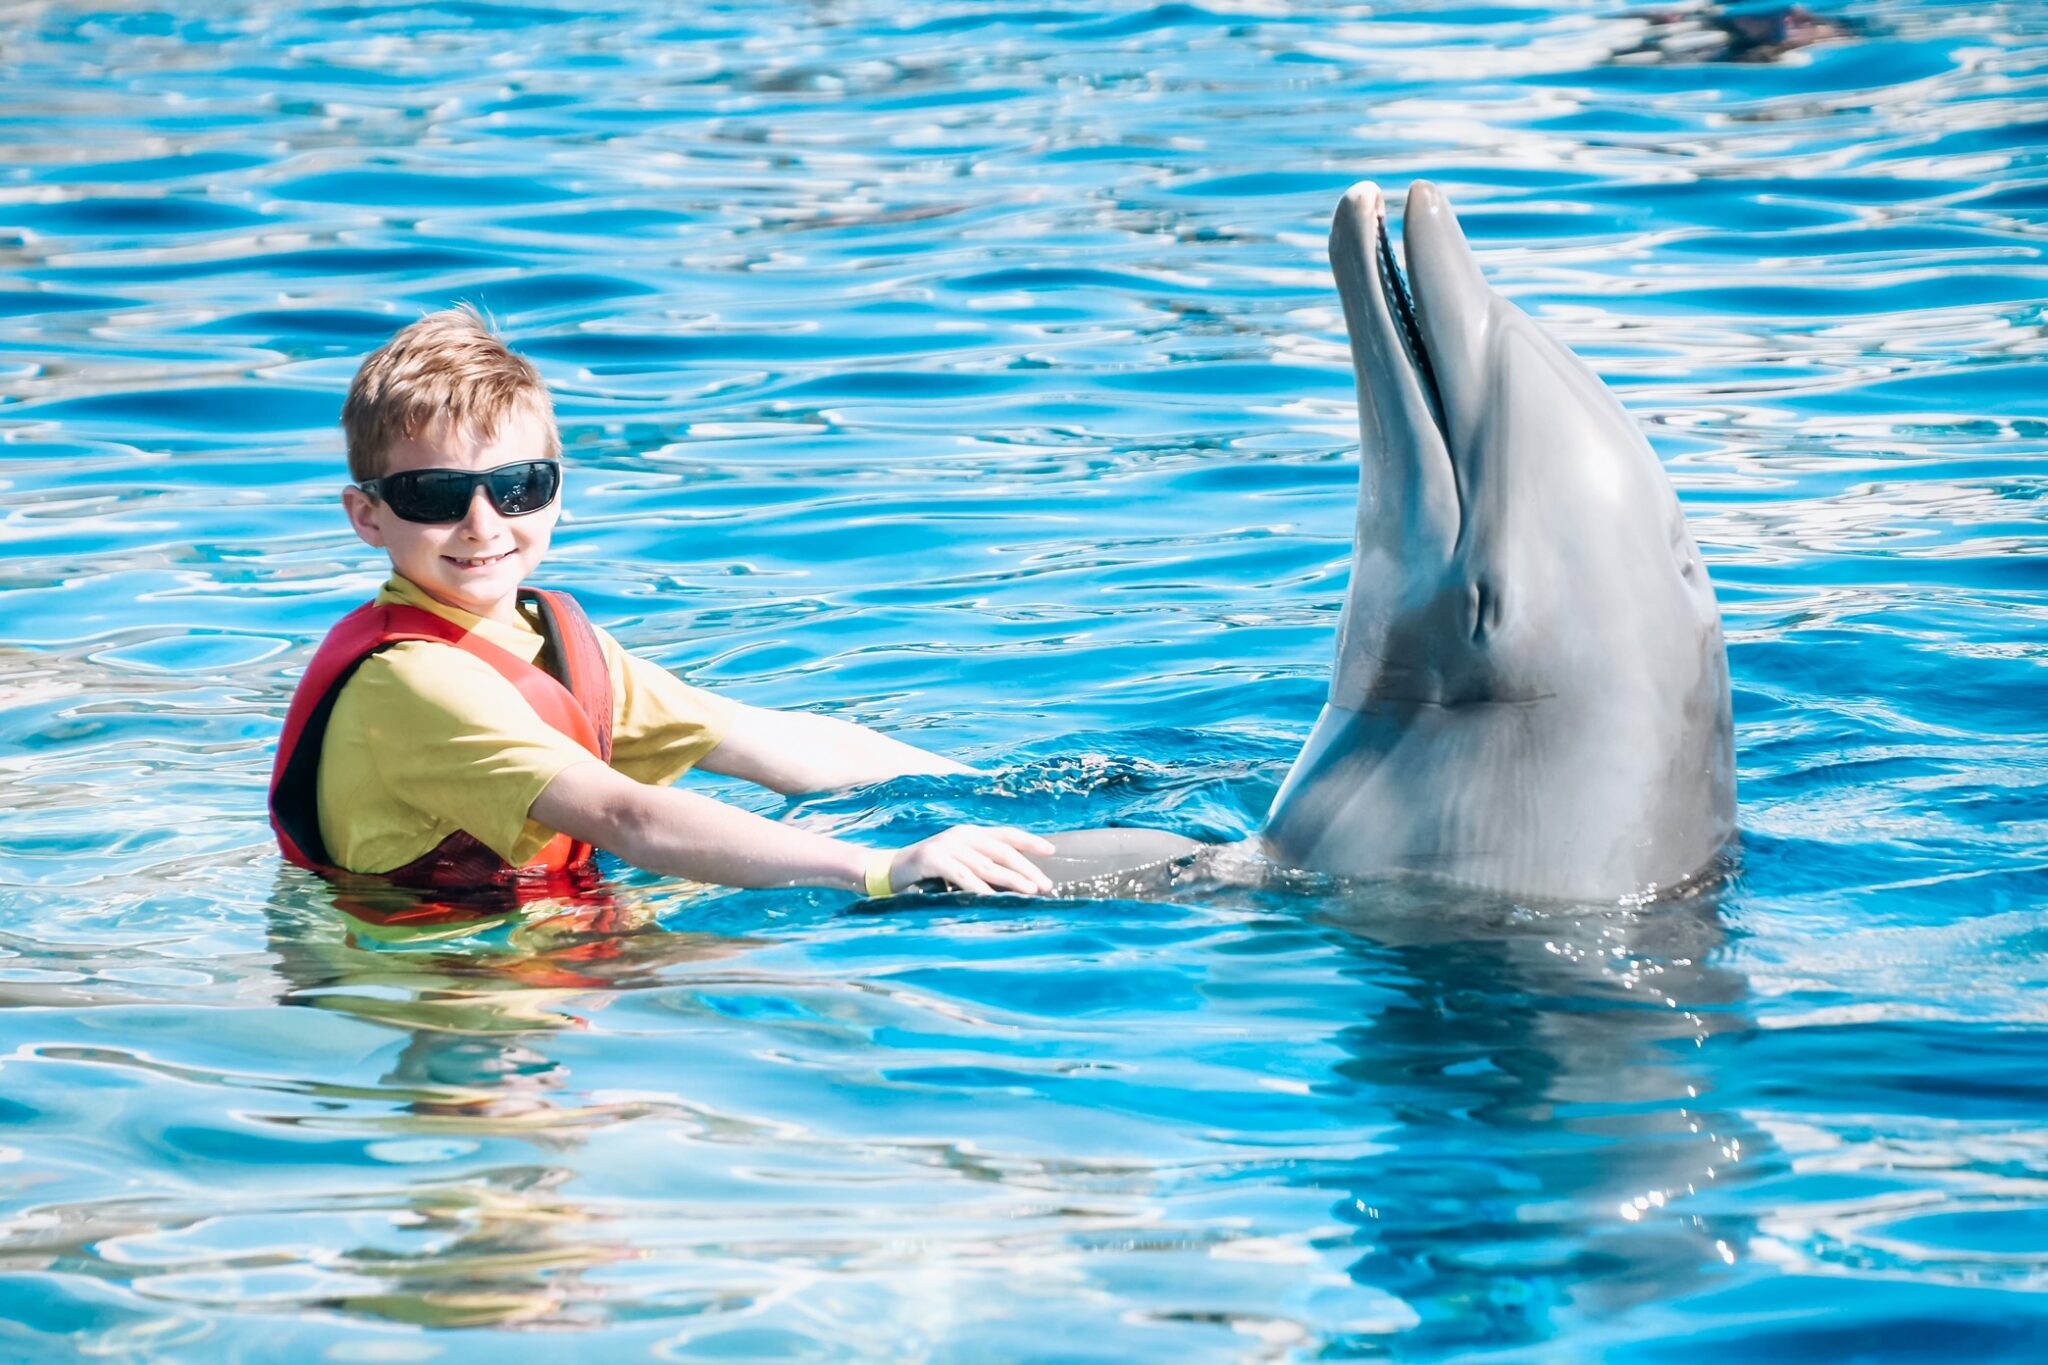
{"type": "Point", "coordinates": [475, 591]}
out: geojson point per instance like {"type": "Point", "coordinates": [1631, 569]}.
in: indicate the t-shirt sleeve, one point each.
{"type": "Point", "coordinates": [455, 740]}
{"type": "Point", "coordinates": [662, 727]}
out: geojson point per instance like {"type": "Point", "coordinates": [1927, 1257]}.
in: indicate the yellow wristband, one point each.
{"type": "Point", "coordinates": [879, 863]}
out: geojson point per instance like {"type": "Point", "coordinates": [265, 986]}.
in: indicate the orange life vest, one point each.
{"type": "Point", "coordinates": [575, 698]}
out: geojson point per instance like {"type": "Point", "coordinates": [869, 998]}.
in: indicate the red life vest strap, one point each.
{"type": "Point", "coordinates": [578, 661]}
{"type": "Point", "coordinates": [578, 703]}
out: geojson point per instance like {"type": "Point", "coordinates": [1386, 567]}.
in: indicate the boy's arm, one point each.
{"type": "Point", "coordinates": [793, 752]}
{"type": "Point", "coordinates": [667, 830]}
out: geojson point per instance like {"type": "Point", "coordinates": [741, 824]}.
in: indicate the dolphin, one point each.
{"type": "Point", "coordinates": [1531, 690]}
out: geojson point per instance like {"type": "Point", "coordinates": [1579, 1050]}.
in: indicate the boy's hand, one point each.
{"type": "Point", "coordinates": [975, 858]}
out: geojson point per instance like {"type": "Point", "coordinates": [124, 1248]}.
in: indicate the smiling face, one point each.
{"type": "Point", "coordinates": [475, 564]}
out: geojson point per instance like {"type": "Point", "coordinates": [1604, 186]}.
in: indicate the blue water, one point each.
{"type": "Point", "coordinates": [975, 372]}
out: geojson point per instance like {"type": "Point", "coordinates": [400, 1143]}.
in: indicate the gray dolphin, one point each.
{"type": "Point", "coordinates": [1531, 690]}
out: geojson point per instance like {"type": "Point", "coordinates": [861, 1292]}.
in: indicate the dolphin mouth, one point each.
{"type": "Point", "coordinates": [1415, 506]}
{"type": "Point", "coordinates": [1400, 297]}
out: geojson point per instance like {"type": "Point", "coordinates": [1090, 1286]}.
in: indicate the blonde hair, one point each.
{"type": "Point", "coordinates": [448, 369]}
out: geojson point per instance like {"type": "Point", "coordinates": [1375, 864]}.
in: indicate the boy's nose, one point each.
{"type": "Point", "coordinates": [481, 513]}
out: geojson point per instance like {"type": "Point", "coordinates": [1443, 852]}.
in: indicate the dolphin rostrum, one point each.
{"type": "Point", "coordinates": [1531, 690]}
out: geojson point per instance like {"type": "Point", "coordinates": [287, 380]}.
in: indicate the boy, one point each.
{"type": "Point", "coordinates": [427, 745]}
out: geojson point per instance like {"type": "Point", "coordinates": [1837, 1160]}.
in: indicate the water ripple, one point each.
{"type": "Point", "coordinates": [974, 371]}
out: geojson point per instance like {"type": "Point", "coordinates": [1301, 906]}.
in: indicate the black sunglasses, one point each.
{"type": "Point", "coordinates": [436, 495]}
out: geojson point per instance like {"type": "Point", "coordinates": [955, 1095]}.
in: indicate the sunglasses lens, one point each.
{"type": "Point", "coordinates": [430, 494]}
{"type": "Point", "coordinates": [440, 495]}
{"type": "Point", "coordinates": [522, 488]}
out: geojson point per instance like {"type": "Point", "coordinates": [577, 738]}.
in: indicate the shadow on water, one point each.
{"type": "Point", "coordinates": [1554, 1144]}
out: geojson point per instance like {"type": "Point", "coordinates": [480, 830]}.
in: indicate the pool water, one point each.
{"type": "Point", "coordinates": [975, 372]}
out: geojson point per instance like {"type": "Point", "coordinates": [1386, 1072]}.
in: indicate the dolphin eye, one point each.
{"type": "Point", "coordinates": [1682, 550]}
{"type": "Point", "coordinates": [1483, 597]}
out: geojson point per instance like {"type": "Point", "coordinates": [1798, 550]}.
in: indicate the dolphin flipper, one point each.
{"type": "Point", "coordinates": [1100, 864]}
{"type": "Point", "coordinates": [1116, 861]}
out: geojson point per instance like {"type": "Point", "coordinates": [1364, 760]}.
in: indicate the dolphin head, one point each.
{"type": "Point", "coordinates": [1531, 690]}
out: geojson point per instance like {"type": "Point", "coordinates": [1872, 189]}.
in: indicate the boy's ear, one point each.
{"type": "Point", "coordinates": [362, 515]}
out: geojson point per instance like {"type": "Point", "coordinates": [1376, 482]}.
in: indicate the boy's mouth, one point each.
{"type": "Point", "coordinates": [478, 561]}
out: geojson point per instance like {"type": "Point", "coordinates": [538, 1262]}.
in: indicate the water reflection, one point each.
{"type": "Point", "coordinates": [1555, 1142]}
{"type": "Point", "coordinates": [480, 997]}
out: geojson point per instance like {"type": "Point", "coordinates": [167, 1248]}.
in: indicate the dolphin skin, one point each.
{"type": "Point", "coordinates": [1531, 690]}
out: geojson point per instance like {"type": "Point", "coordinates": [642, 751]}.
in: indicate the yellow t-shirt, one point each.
{"type": "Point", "coordinates": [427, 739]}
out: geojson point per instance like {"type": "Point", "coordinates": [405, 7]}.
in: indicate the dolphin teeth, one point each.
{"type": "Point", "coordinates": [1395, 286]}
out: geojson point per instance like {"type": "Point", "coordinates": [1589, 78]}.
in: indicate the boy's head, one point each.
{"type": "Point", "coordinates": [447, 395]}
{"type": "Point", "coordinates": [449, 369]}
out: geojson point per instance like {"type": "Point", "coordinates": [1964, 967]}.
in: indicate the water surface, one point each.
{"type": "Point", "coordinates": [975, 372]}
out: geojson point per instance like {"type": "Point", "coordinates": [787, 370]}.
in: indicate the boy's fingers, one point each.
{"type": "Point", "coordinates": [998, 871]}
{"type": "Point", "coordinates": [1034, 878]}
{"type": "Point", "coordinates": [999, 876]}
{"type": "Point", "coordinates": [1024, 840]}
{"type": "Point", "coordinates": [965, 880]}
{"type": "Point", "coordinates": [985, 860]}
{"type": "Point", "coordinates": [1011, 838]}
